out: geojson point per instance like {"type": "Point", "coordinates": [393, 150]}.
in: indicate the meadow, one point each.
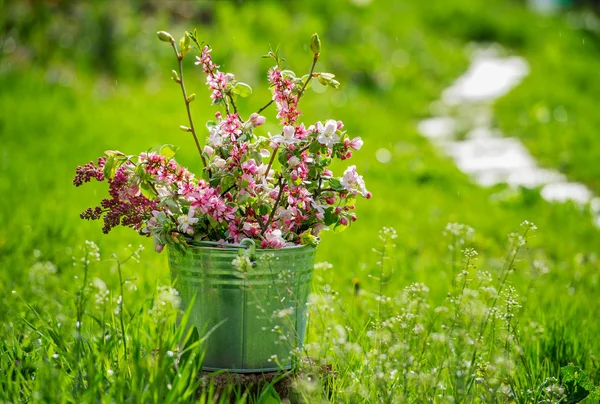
{"type": "Point", "coordinates": [465, 300]}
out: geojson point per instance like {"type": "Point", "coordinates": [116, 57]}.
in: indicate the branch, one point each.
{"type": "Point", "coordinates": [227, 190]}
{"type": "Point", "coordinates": [265, 107]}
{"type": "Point", "coordinates": [187, 104]}
{"type": "Point", "coordinates": [312, 70]}
{"type": "Point", "coordinates": [270, 219]}
{"type": "Point", "coordinates": [234, 107]}
{"type": "Point", "coordinates": [271, 162]}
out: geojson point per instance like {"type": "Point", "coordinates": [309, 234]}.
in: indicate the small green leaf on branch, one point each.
{"type": "Point", "coordinates": [327, 79]}
{"type": "Point", "coordinates": [185, 44]}
{"type": "Point", "coordinates": [336, 185]}
{"type": "Point", "coordinates": [242, 89]}
{"type": "Point", "coordinates": [168, 150]}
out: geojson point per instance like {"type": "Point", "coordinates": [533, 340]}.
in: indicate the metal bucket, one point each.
{"type": "Point", "coordinates": [255, 318]}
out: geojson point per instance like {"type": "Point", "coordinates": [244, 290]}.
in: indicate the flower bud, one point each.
{"type": "Point", "coordinates": [315, 44]}
{"type": "Point", "coordinates": [184, 128]}
{"type": "Point", "coordinates": [257, 120]}
{"type": "Point", "coordinates": [175, 76]}
{"type": "Point", "coordinates": [165, 36]}
{"type": "Point", "coordinates": [219, 162]}
{"type": "Point", "coordinates": [191, 98]}
{"type": "Point", "coordinates": [343, 221]}
{"type": "Point", "coordinates": [208, 150]}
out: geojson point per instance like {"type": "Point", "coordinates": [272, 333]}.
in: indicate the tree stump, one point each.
{"type": "Point", "coordinates": [254, 384]}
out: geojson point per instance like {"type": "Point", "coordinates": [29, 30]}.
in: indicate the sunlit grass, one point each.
{"type": "Point", "coordinates": [46, 130]}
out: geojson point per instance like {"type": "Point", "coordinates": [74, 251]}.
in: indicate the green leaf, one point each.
{"type": "Point", "coordinates": [338, 228]}
{"type": "Point", "coordinates": [314, 147]}
{"type": "Point", "coordinates": [147, 190]}
{"type": "Point", "coordinates": [227, 182]}
{"type": "Point", "coordinates": [242, 89]}
{"type": "Point", "coordinates": [269, 396]}
{"type": "Point", "coordinates": [185, 44]}
{"type": "Point", "coordinates": [577, 382]}
{"type": "Point", "coordinates": [330, 218]}
{"type": "Point", "coordinates": [210, 125]}
{"type": "Point", "coordinates": [282, 158]}
{"type": "Point", "coordinates": [327, 79]}
{"type": "Point", "coordinates": [168, 151]}
{"type": "Point", "coordinates": [256, 156]}
{"type": "Point", "coordinates": [336, 185]}
{"type": "Point", "coordinates": [109, 167]}
{"type": "Point", "coordinates": [288, 74]}
{"type": "Point", "coordinates": [309, 78]}
{"type": "Point", "coordinates": [172, 206]}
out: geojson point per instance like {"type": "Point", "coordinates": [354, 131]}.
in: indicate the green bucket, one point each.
{"type": "Point", "coordinates": [255, 318]}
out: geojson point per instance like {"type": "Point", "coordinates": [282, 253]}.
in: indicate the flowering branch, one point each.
{"type": "Point", "coordinates": [187, 99]}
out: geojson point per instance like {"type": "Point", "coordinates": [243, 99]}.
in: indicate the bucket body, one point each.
{"type": "Point", "coordinates": [254, 318]}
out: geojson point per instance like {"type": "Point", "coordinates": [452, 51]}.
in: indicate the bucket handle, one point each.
{"type": "Point", "coordinates": [250, 247]}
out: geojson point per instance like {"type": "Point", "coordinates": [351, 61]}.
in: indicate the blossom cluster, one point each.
{"type": "Point", "coordinates": [276, 189]}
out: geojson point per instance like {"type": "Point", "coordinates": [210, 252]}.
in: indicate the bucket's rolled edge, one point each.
{"type": "Point", "coordinates": [263, 370]}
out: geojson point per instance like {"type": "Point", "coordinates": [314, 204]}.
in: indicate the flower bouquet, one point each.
{"type": "Point", "coordinates": [256, 189]}
{"type": "Point", "coordinates": [277, 189]}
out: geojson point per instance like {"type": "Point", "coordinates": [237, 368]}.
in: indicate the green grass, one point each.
{"type": "Point", "coordinates": [47, 130]}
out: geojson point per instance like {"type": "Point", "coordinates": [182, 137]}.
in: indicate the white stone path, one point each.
{"type": "Point", "coordinates": [462, 128]}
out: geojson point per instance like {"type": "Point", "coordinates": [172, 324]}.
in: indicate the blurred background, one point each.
{"type": "Point", "coordinates": [77, 78]}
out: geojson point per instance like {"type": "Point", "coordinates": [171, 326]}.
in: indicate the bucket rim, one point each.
{"type": "Point", "coordinates": [220, 246]}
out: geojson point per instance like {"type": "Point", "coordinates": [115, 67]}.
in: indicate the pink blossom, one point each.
{"type": "Point", "coordinates": [257, 120]}
{"type": "Point", "coordinates": [250, 167]}
{"type": "Point", "coordinates": [294, 162]}
{"type": "Point", "coordinates": [355, 143]}
{"type": "Point", "coordinates": [273, 239]}
{"type": "Point", "coordinates": [231, 126]}
{"type": "Point", "coordinates": [354, 182]}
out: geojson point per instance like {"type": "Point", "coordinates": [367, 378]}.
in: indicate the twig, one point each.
{"type": "Point", "coordinates": [265, 107]}
{"type": "Point", "coordinates": [312, 70]}
{"type": "Point", "coordinates": [270, 219]}
{"type": "Point", "coordinates": [259, 220]}
{"type": "Point", "coordinates": [271, 162]}
{"type": "Point", "coordinates": [234, 107]}
{"type": "Point", "coordinates": [187, 104]}
{"type": "Point", "coordinates": [227, 190]}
